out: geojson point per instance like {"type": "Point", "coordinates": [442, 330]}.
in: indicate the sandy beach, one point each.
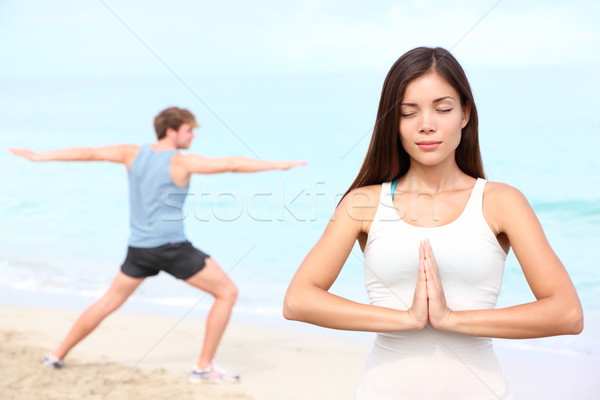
{"type": "Point", "coordinates": [140, 357]}
{"type": "Point", "coordinates": [136, 356]}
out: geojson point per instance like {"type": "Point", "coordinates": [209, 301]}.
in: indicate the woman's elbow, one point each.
{"type": "Point", "coordinates": [570, 320]}
{"type": "Point", "coordinates": [294, 304]}
{"type": "Point", "coordinates": [290, 307]}
{"type": "Point", "coordinates": [575, 324]}
{"type": "Point", "coordinates": [288, 312]}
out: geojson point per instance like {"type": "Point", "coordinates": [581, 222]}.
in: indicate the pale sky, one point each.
{"type": "Point", "coordinates": [97, 38]}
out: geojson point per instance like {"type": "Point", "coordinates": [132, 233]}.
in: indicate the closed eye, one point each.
{"type": "Point", "coordinates": [446, 110]}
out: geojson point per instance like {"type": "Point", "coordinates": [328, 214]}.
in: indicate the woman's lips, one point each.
{"type": "Point", "coordinates": [428, 144]}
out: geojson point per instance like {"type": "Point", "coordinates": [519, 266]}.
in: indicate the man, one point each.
{"type": "Point", "coordinates": [159, 179]}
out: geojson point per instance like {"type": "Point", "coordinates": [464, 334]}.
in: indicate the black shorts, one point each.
{"type": "Point", "coordinates": [182, 260]}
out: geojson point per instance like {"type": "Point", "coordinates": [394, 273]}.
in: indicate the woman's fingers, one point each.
{"type": "Point", "coordinates": [422, 281]}
{"type": "Point", "coordinates": [437, 308]}
{"type": "Point", "coordinates": [432, 273]}
{"type": "Point", "coordinates": [418, 310]}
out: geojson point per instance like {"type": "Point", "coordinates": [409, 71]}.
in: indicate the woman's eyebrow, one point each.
{"type": "Point", "coordinates": [443, 98]}
{"type": "Point", "coordinates": [435, 101]}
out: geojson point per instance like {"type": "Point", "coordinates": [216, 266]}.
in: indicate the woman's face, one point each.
{"type": "Point", "coordinates": [431, 120]}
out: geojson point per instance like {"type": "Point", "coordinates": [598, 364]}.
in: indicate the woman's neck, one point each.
{"type": "Point", "coordinates": [433, 178]}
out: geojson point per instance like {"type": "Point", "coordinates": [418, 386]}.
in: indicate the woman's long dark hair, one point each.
{"type": "Point", "coordinates": [386, 159]}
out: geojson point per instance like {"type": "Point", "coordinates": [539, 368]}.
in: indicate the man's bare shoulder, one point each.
{"type": "Point", "coordinates": [198, 164]}
{"type": "Point", "coordinates": [187, 161]}
{"type": "Point", "coordinates": [187, 157]}
{"type": "Point", "coordinates": [129, 152]}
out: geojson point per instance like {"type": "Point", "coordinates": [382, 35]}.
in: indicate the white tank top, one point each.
{"type": "Point", "coordinates": [431, 364]}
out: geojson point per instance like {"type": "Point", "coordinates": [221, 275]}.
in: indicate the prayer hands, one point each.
{"type": "Point", "coordinates": [429, 302]}
{"type": "Point", "coordinates": [418, 311]}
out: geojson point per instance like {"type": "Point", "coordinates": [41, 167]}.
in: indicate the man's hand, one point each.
{"type": "Point", "coordinates": [25, 153]}
{"type": "Point", "coordinates": [283, 165]}
{"type": "Point", "coordinates": [124, 154]}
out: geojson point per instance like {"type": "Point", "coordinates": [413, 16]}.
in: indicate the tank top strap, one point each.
{"type": "Point", "coordinates": [385, 209]}
{"type": "Point", "coordinates": [141, 157]}
{"type": "Point", "coordinates": [474, 206]}
{"type": "Point", "coordinates": [393, 187]}
{"type": "Point", "coordinates": [386, 199]}
{"type": "Point", "coordinates": [145, 149]}
{"type": "Point", "coordinates": [386, 192]}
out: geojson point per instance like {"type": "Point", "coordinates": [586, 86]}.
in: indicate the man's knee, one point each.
{"type": "Point", "coordinates": [229, 292]}
{"type": "Point", "coordinates": [233, 292]}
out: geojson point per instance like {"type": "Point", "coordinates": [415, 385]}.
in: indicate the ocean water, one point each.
{"type": "Point", "coordinates": [65, 225]}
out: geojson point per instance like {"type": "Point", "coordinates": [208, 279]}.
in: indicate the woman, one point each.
{"type": "Point", "coordinates": [435, 236]}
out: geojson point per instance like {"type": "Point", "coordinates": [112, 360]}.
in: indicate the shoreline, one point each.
{"type": "Point", "coordinates": [586, 345]}
{"type": "Point", "coordinates": [150, 355]}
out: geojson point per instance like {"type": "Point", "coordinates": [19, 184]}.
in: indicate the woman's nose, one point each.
{"type": "Point", "coordinates": [427, 123]}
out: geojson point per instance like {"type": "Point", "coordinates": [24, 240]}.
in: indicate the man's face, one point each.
{"type": "Point", "coordinates": [184, 136]}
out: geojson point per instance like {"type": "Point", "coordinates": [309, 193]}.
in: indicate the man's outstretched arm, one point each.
{"type": "Point", "coordinates": [119, 154]}
{"type": "Point", "coordinates": [197, 164]}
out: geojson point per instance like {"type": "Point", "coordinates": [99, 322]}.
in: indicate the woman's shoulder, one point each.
{"type": "Point", "coordinates": [370, 189]}
{"type": "Point", "coordinates": [503, 204]}
{"type": "Point", "coordinates": [364, 195]}
{"type": "Point", "coordinates": [499, 192]}
{"type": "Point", "coordinates": [361, 203]}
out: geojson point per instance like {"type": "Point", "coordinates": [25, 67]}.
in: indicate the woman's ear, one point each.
{"type": "Point", "coordinates": [466, 111]}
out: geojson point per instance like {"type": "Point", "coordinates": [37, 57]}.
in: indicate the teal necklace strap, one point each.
{"type": "Point", "coordinates": [394, 184]}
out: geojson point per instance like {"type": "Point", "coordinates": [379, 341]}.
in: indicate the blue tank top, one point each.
{"type": "Point", "coordinates": [155, 201]}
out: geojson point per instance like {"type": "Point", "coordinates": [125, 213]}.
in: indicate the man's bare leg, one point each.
{"type": "Point", "coordinates": [213, 280]}
{"type": "Point", "coordinates": [121, 288]}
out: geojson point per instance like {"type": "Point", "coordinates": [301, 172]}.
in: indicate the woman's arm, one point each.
{"type": "Point", "coordinates": [557, 310]}
{"type": "Point", "coordinates": [120, 154]}
{"type": "Point", "coordinates": [307, 298]}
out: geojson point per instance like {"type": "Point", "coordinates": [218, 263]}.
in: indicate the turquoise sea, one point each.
{"type": "Point", "coordinates": [65, 225]}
